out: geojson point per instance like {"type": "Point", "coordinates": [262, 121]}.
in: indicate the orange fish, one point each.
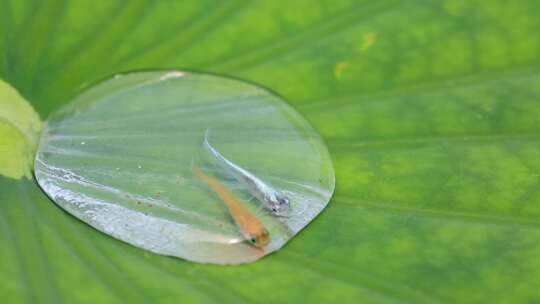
{"type": "Point", "coordinates": [250, 226]}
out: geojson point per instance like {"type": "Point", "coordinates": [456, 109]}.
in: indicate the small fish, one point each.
{"type": "Point", "coordinates": [272, 199]}
{"type": "Point", "coordinates": [250, 227]}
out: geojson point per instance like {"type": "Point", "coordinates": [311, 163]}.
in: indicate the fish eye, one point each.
{"type": "Point", "coordinates": [274, 209]}
{"type": "Point", "coordinates": [284, 200]}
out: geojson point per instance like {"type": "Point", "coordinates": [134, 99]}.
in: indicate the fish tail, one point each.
{"type": "Point", "coordinates": [210, 181]}
{"type": "Point", "coordinates": [225, 194]}
{"type": "Point", "coordinates": [210, 148]}
{"type": "Point", "coordinates": [206, 142]}
{"type": "Point", "coordinates": [200, 174]}
{"type": "Point", "coordinates": [206, 134]}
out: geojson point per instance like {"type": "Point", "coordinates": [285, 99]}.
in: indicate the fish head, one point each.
{"type": "Point", "coordinates": [280, 203]}
{"type": "Point", "coordinates": [260, 239]}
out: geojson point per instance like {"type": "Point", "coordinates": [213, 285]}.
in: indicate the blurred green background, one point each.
{"type": "Point", "coordinates": [430, 109]}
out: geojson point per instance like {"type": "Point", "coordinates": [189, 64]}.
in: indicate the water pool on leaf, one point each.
{"type": "Point", "coordinates": [120, 158]}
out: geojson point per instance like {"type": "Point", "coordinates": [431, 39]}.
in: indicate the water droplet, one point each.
{"type": "Point", "coordinates": [158, 120]}
{"type": "Point", "coordinates": [171, 75]}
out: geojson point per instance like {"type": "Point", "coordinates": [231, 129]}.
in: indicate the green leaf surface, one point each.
{"type": "Point", "coordinates": [430, 110]}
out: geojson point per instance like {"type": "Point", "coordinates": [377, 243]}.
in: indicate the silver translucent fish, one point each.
{"type": "Point", "coordinates": [273, 200]}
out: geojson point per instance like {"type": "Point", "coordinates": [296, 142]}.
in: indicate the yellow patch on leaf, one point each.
{"type": "Point", "coordinates": [20, 127]}
{"type": "Point", "coordinates": [340, 68]}
{"type": "Point", "coordinates": [368, 40]}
